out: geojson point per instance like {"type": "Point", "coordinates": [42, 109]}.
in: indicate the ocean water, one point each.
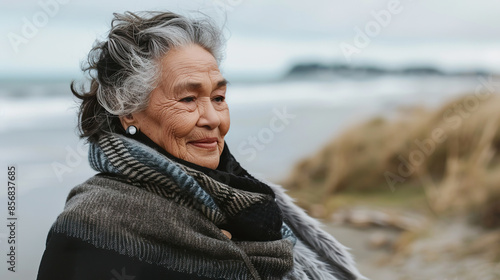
{"type": "Point", "coordinates": [273, 125]}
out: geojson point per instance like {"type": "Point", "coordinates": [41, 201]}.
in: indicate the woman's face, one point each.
{"type": "Point", "coordinates": [187, 114]}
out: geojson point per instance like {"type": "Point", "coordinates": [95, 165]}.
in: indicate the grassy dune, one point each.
{"type": "Point", "coordinates": [444, 161]}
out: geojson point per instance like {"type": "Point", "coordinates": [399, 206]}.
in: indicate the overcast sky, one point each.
{"type": "Point", "coordinates": [266, 36]}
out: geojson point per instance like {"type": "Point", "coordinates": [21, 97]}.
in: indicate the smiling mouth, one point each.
{"type": "Point", "coordinates": [206, 143]}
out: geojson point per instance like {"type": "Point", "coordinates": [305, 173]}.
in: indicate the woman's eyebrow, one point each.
{"type": "Point", "coordinates": [190, 86]}
{"type": "Point", "coordinates": [222, 83]}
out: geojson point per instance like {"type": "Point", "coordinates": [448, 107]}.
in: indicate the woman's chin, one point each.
{"type": "Point", "coordinates": [205, 157]}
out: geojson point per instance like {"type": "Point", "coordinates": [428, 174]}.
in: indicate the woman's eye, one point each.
{"type": "Point", "coordinates": [187, 99]}
{"type": "Point", "coordinates": [219, 99]}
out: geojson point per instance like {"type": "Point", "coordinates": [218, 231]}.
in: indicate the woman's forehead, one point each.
{"type": "Point", "coordinates": [189, 58]}
{"type": "Point", "coordinates": [192, 78]}
{"type": "Point", "coordinates": [189, 63]}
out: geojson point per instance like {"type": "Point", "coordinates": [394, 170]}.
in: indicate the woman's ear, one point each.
{"type": "Point", "coordinates": [127, 121]}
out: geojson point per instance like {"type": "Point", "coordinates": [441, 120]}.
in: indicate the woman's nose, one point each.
{"type": "Point", "coordinates": [208, 115]}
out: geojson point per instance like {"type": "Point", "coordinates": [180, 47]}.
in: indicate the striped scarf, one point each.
{"type": "Point", "coordinates": [237, 203]}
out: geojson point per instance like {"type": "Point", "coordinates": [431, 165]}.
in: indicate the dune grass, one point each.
{"type": "Point", "coordinates": [446, 160]}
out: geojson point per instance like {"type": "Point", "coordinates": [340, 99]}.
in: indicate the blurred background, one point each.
{"type": "Point", "coordinates": [381, 118]}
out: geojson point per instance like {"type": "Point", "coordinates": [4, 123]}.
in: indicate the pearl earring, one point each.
{"type": "Point", "coordinates": [131, 130]}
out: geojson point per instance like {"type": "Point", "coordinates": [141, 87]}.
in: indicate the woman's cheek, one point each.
{"type": "Point", "coordinates": [225, 122]}
{"type": "Point", "coordinates": [183, 123]}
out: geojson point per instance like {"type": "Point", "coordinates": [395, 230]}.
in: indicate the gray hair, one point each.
{"type": "Point", "coordinates": [125, 68]}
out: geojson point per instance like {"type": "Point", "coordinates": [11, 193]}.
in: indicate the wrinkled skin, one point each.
{"type": "Point", "coordinates": [187, 114]}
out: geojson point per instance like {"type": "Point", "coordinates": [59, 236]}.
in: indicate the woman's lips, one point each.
{"type": "Point", "coordinates": [206, 143]}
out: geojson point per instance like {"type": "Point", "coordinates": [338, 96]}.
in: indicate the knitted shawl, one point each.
{"type": "Point", "coordinates": [168, 214]}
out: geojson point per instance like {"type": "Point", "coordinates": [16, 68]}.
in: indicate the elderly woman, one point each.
{"type": "Point", "coordinates": [170, 201]}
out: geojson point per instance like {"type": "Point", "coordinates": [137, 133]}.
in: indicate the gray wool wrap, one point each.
{"type": "Point", "coordinates": [117, 215]}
